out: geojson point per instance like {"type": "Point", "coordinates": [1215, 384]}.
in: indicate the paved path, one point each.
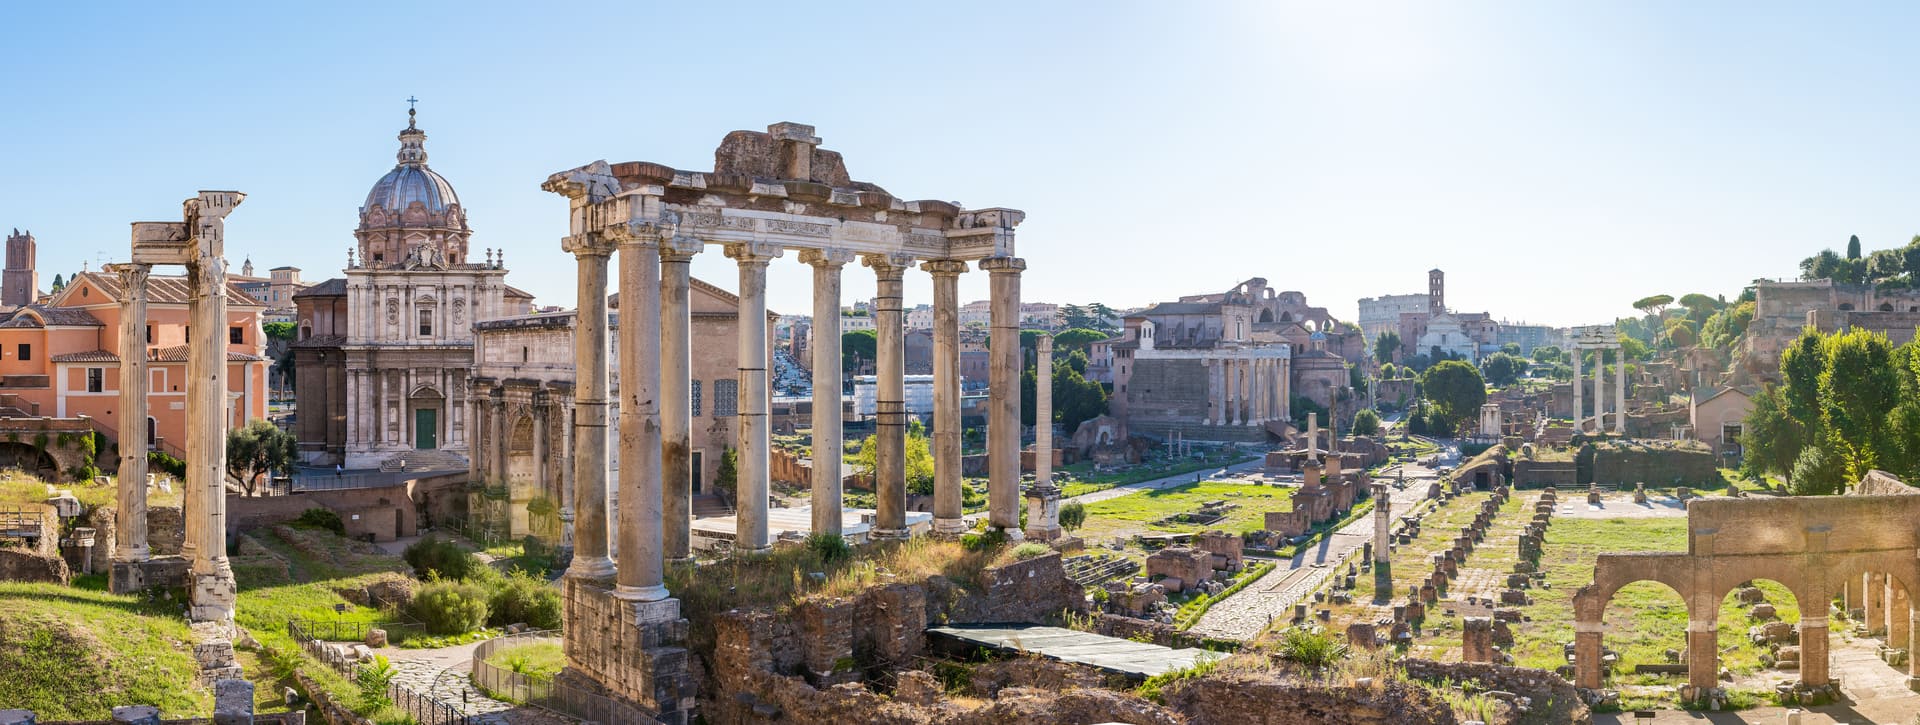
{"type": "Point", "coordinates": [1159, 483]}
{"type": "Point", "coordinates": [443, 674]}
{"type": "Point", "coordinates": [1876, 695]}
{"type": "Point", "coordinates": [1243, 615]}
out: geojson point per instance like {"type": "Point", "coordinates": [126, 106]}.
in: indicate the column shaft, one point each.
{"type": "Point", "coordinates": [1620, 392]}
{"type": "Point", "coordinates": [1043, 413]}
{"type": "Point", "coordinates": [1703, 656]}
{"type": "Point", "coordinates": [213, 590]}
{"type": "Point", "coordinates": [1216, 407]}
{"type": "Point", "coordinates": [1579, 405]}
{"type": "Point", "coordinates": [828, 426]}
{"type": "Point", "coordinates": [890, 434]}
{"type": "Point", "coordinates": [1876, 597]}
{"type": "Point", "coordinates": [1003, 425]}
{"type": "Point", "coordinates": [641, 573]}
{"type": "Point", "coordinates": [946, 395]}
{"type": "Point", "coordinates": [130, 521]}
{"type": "Point", "coordinates": [1586, 655]}
{"type": "Point", "coordinates": [754, 439]}
{"type": "Point", "coordinates": [497, 453]}
{"type": "Point", "coordinates": [1897, 615]}
{"type": "Point", "coordinates": [590, 559]}
{"type": "Point", "coordinates": [676, 397]}
{"type": "Point", "coordinates": [1813, 650]}
{"type": "Point", "coordinates": [1600, 391]}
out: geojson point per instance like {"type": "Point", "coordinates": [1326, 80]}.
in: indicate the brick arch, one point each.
{"type": "Point", "coordinates": [1730, 572]}
{"type": "Point", "coordinates": [1898, 564]}
{"type": "Point", "coordinates": [1611, 572]}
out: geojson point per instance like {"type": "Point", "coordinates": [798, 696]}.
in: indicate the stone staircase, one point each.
{"type": "Point", "coordinates": [421, 461]}
{"type": "Point", "coordinates": [708, 504]}
{"type": "Point", "coordinates": [1091, 569]}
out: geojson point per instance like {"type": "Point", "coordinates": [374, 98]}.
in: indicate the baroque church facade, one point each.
{"type": "Point", "coordinates": [385, 352]}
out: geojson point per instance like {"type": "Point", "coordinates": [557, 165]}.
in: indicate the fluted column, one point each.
{"type": "Point", "coordinates": [1600, 390]}
{"type": "Point", "coordinates": [1003, 425]}
{"type": "Point", "coordinates": [890, 435]}
{"type": "Point", "coordinates": [1579, 406]}
{"type": "Point", "coordinates": [1043, 412]}
{"type": "Point", "coordinates": [828, 427]}
{"type": "Point", "coordinates": [1216, 406]}
{"type": "Point", "coordinates": [497, 453]}
{"type": "Point", "coordinates": [213, 587]}
{"type": "Point", "coordinates": [1259, 376]}
{"type": "Point", "coordinates": [590, 390]}
{"type": "Point", "coordinates": [946, 394]}
{"type": "Point", "coordinates": [1620, 392]}
{"type": "Point", "coordinates": [754, 441]}
{"type": "Point", "coordinates": [676, 396]}
{"type": "Point", "coordinates": [130, 521]}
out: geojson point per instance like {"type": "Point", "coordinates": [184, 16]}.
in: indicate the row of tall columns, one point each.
{"type": "Point", "coordinates": [130, 525]}
{"type": "Point", "coordinates": [1246, 391]}
{"type": "Point", "coordinates": [946, 394]}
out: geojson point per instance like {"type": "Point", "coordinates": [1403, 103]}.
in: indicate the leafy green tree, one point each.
{"type": "Point", "coordinates": [1858, 389]}
{"type": "Point", "coordinates": [1366, 422]}
{"type": "Point", "coordinates": [1456, 390]}
{"type": "Point", "coordinates": [1073, 515]}
{"type": "Point", "coordinates": [1652, 306]}
{"type": "Point", "coordinates": [1512, 348]}
{"type": "Point", "coordinates": [1076, 360]}
{"type": "Point", "coordinates": [1075, 398]}
{"type": "Point", "coordinates": [1356, 379]}
{"type": "Point", "coordinates": [1681, 333]}
{"type": "Point", "coordinates": [1770, 438]}
{"type": "Point", "coordinates": [727, 477]}
{"type": "Point", "coordinates": [1502, 369]}
{"type": "Point", "coordinates": [59, 283]}
{"type": "Point", "coordinates": [857, 347]}
{"type": "Point", "coordinates": [1825, 265]}
{"type": "Point", "coordinates": [1389, 372]}
{"type": "Point", "coordinates": [1910, 256]}
{"type": "Point", "coordinates": [1853, 247]}
{"type": "Point", "coordinates": [282, 331]}
{"type": "Point", "coordinates": [1816, 473]}
{"type": "Point", "coordinates": [1386, 347]}
{"type": "Point", "coordinates": [1300, 406]}
{"type": "Point", "coordinates": [1076, 339]}
{"type": "Point", "coordinates": [1549, 355]}
{"type": "Point", "coordinates": [257, 449]}
{"type": "Point", "coordinates": [1633, 349]}
{"type": "Point", "coordinates": [1886, 264]}
{"type": "Point", "coordinates": [919, 459]}
{"type": "Point", "coordinates": [1801, 365]}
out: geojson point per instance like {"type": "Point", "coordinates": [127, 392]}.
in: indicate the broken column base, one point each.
{"type": "Point", "coordinates": [1382, 581]}
{"type": "Point", "coordinates": [1913, 683]}
{"type": "Point", "coordinates": [213, 652]}
{"type": "Point", "coordinates": [213, 596]}
{"type": "Point", "coordinates": [635, 650]}
{"type": "Point", "coordinates": [160, 572]}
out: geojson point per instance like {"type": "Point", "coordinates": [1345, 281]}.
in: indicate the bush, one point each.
{"type": "Point", "coordinates": [978, 542]}
{"type": "Point", "coordinates": [829, 547]}
{"type": "Point", "coordinates": [373, 678]}
{"type": "Point", "coordinates": [1314, 649]}
{"type": "Point", "coordinates": [1031, 550]}
{"type": "Point", "coordinates": [1073, 515]}
{"type": "Point", "coordinates": [319, 518]}
{"type": "Point", "coordinates": [163, 463]}
{"type": "Point", "coordinates": [447, 607]}
{"type": "Point", "coordinates": [522, 598]}
{"type": "Point", "coordinates": [431, 557]}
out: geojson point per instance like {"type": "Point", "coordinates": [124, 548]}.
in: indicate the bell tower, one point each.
{"type": "Point", "coordinates": [1436, 292]}
{"type": "Point", "coordinates": [19, 283]}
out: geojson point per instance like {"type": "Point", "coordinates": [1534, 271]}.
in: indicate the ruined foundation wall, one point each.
{"type": "Point", "coordinates": [1656, 467]}
{"type": "Point", "coordinates": [1251, 699]}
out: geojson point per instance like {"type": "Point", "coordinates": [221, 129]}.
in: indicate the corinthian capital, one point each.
{"type": "Point", "coordinates": [753, 252]}
{"type": "Point", "coordinates": [944, 267]}
{"type": "Point", "coordinates": [826, 257]}
{"type": "Point", "coordinates": [586, 245]}
{"type": "Point", "coordinates": [1003, 265]}
{"type": "Point", "coordinates": [891, 264]}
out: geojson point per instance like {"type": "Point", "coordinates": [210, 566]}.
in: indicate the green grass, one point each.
{"type": "Point", "coordinates": [1149, 507]}
{"type": "Point", "coordinates": [540, 659]}
{"type": "Point", "coordinates": [1081, 478]}
{"type": "Point", "coordinates": [72, 654]}
{"type": "Point", "coordinates": [1644, 618]}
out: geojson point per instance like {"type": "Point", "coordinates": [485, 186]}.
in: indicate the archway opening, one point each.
{"type": "Point", "coordinates": [1758, 637]}
{"type": "Point", "coordinates": [1646, 632]}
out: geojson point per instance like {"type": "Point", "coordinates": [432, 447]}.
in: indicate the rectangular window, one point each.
{"type": "Point", "coordinates": [726, 393]}
{"type": "Point", "coordinates": [96, 379]}
{"type": "Point", "coordinates": [426, 323]}
{"type": "Point", "coordinates": [26, 351]}
{"type": "Point", "coordinates": [236, 336]}
{"type": "Point", "coordinates": [149, 334]}
{"type": "Point", "coordinates": [696, 398]}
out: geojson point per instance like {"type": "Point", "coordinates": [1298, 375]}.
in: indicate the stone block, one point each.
{"type": "Point", "coordinates": [136, 715]}
{"type": "Point", "coordinates": [1762, 610]}
{"type": "Point", "coordinates": [376, 637]}
{"type": "Point", "coordinates": [232, 702]}
{"type": "Point", "coordinates": [16, 717]}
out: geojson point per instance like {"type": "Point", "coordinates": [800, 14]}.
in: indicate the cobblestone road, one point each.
{"type": "Point", "coordinates": [1271, 597]}
{"type": "Point", "coordinates": [442, 674]}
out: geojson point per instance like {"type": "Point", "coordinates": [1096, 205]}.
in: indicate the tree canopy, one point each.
{"type": "Point", "coordinates": [1456, 390]}
{"type": "Point", "coordinates": [1078, 338]}
{"type": "Point", "coordinates": [1503, 369]}
{"type": "Point", "coordinates": [1387, 346]}
{"type": "Point", "coordinates": [857, 347]}
{"type": "Point", "coordinates": [257, 449]}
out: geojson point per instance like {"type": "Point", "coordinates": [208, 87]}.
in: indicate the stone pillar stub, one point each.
{"type": "Point", "coordinates": [754, 441]}
{"type": "Point", "coordinates": [1003, 425]}
{"type": "Point", "coordinates": [946, 395]}
{"type": "Point", "coordinates": [890, 400]}
{"type": "Point", "coordinates": [828, 445]}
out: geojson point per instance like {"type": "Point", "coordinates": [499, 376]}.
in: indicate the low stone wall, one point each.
{"type": "Point", "coordinates": [21, 565]}
{"type": "Point", "coordinates": [1546, 689]}
{"type": "Point", "coordinates": [1255, 699]}
{"type": "Point", "coordinates": [166, 530]}
{"type": "Point", "coordinates": [386, 512]}
{"type": "Point", "coordinates": [1654, 466]}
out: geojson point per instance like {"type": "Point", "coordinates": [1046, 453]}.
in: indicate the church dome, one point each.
{"type": "Point", "coordinates": [412, 214]}
{"type": "Point", "coordinates": [409, 183]}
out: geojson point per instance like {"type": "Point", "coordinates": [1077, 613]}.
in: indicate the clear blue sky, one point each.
{"type": "Point", "coordinates": [1558, 160]}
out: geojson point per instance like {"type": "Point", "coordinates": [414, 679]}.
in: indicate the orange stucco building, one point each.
{"type": "Point", "coordinates": [61, 359]}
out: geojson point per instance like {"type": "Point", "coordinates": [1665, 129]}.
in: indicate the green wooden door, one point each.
{"type": "Point", "coordinates": [426, 429]}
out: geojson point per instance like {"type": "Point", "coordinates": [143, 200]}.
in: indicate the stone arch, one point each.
{"type": "Point", "coordinates": [30, 458]}
{"type": "Point", "coordinates": [523, 470]}
{"type": "Point", "coordinates": [1846, 307]}
{"type": "Point", "coordinates": [1732, 571]}
{"type": "Point", "coordinates": [1266, 315]}
{"type": "Point", "coordinates": [1886, 307]}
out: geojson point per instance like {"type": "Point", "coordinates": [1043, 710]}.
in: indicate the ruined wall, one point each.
{"type": "Point", "coordinates": [1531, 473]}
{"type": "Point", "coordinates": [1544, 687]}
{"type": "Point", "coordinates": [20, 565]}
{"type": "Point", "coordinates": [1242, 698]}
{"type": "Point", "coordinates": [386, 512]}
{"type": "Point", "coordinates": [1654, 466]}
{"type": "Point", "coordinates": [166, 530]}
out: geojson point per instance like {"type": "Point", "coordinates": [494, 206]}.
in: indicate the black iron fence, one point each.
{"type": "Point", "coordinates": [424, 708]}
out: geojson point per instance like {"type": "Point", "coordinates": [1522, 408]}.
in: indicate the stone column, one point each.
{"type": "Point", "coordinates": [754, 440]}
{"type": "Point", "coordinates": [130, 521]}
{"type": "Point", "coordinates": [676, 396]}
{"type": "Point", "coordinates": [1876, 619]}
{"type": "Point", "coordinates": [828, 426]}
{"type": "Point", "coordinates": [1579, 406]}
{"type": "Point", "coordinates": [946, 393]}
{"type": "Point", "coordinates": [1599, 390]}
{"type": "Point", "coordinates": [476, 464]}
{"type": "Point", "coordinates": [590, 390]}
{"type": "Point", "coordinates": [213, 585]}
{"type": "Point", "coordinates": [1586, 653]}
{"type": "Point", "coordinates": [1620, 392]}
{"type": "Point", "coordinates": [642, 572]}
{"type": "Point", "coordinates": [497, 453]}
{"type": "Point", "coordinates": [1003, 424]}
{"type": "Point", "coordinates": [890, 400]}
{"type": "Point", "coordinates": [1382, 542]}
{"type": "Point", "coordinates": [1913, 647]}
{"type": "Point", "coordinates": [1813, 649]}
{"type": "Point", "coordinates": [1216, 407]}
{"type": "Point", "coordinates": [1898, 613]}
{"type": "Point", "coordinates": [543, 473]}
{"type": "Point", "coordinates": [1256, 407]}
{"type": "Point", "coordinates": [1703, 655]}
{"type": "Point", "coordinates": [1234, 392]}
{"type": "Point", "coordinates": [1043, 412]}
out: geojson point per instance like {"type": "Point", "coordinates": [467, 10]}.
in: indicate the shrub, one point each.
{"type": "Point", "coordinates": [829, 547]}
{"type": "Point", "coordinates": [319, 518]}
{"type": "Point", "coordinates": [447, 607]}
{"type": "Point", "coordinates": [372, 678]}
{"type": "Point", "coordinates": [1073, 515]}
{"type": "Point", "coordinates": [1312, 648]}
{"type": "Point", "coordinates": [83, 473]}
{"type": "Point", "coordinates": [163, 463]}
{"type": "Point", "coordinates": [978, 542]}
{"type": "Point", "coordinates": [432, 557]}
{"type": "Point", "coordinates": [522, 598]}
{"type": "Point", "coordinates": [1030, 550]}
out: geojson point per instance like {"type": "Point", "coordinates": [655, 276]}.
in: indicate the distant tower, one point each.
{"type": "Point", "coordinates": [1436, 292]}
{"type": "Point", "coordinates": [246, 267]}
{"type": "Point", "coordinates": [19, 284]}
